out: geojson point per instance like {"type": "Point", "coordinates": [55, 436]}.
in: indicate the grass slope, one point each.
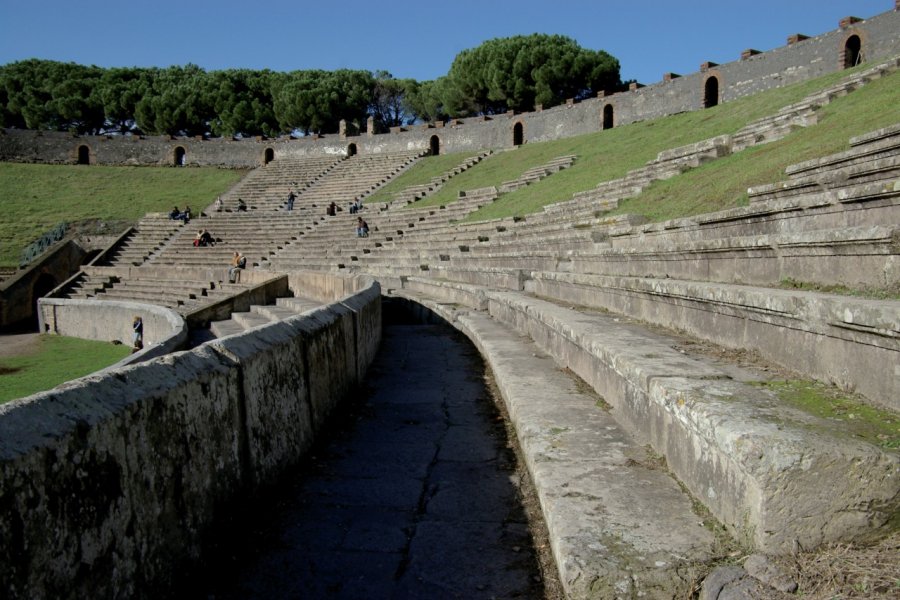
{"type": "Point", "coordinates": [34, 198]}
{"type": "Point", "coordinates": [57, 360]}
{"type": "Point", "coordinates": [722, 184]}
{"type": "Point", "coordinates": [421, 172]}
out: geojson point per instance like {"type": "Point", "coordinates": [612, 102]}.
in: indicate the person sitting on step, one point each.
{"type": "Point", "coordinates": [238, 263]}
{"type": "Point", "coordinates": [362, 228]}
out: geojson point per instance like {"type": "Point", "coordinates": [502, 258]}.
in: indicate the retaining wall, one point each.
{"type": "Point", "coordinates": [165, 330]}
{"type": "Point", "coordinates": [111, 485]}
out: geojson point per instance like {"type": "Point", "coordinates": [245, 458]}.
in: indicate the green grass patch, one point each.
{"type": "Point", "coordinates": [721, 184]}
{"type": "Point", "coordinates": [34, 198]}
{"type": "Point", "coordinates": [423, 171]}
{"type": "Point", "coordinates": [875, 425]}
{"type": "Point", "coordinates": [58, 359]}
{"type": "Point", "coordinates": [892, 293]}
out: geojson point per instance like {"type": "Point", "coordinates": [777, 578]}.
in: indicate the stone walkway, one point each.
{"type": "Point", "coordinates": [415, 497]}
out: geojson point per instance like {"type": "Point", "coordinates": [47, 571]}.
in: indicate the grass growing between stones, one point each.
{"type": "Point", "coordinates": [423, 171]}
{"type": "Point", "coordinates": [874, 425]}
{"type": "Point", "coordinates": [34, 198]}
{"type": "Point", "coordinates": [58, 359]}
{"type": "Point", "coordinates": [889, 293]}
{"type": "Point", "coordinates": [721, 184]}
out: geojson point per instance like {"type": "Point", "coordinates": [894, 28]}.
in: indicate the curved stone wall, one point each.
{"type": "Point", "coordinates": [109, 485]}
{"type": "Point", "coordinates": [110, 320]}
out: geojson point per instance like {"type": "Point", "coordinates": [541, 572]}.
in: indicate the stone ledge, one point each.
{"type": "Point", "coordinates": [833, 338]}
{"type": "Point", "coordinates": [618, 525]}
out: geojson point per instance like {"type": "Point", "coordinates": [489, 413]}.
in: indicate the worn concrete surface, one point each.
{"type": "Point", "coordinates": [414, 496]}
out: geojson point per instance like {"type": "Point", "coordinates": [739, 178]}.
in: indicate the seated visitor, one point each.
{"type": "Point", "coordinates": [238, 263]}
{"type": "Point", "coordinates": [362, 228]}
{"type": "Point", "coordinates": [331, 210]}
{"type": "Point", "coordinates": [175, 214]}
{"type": "Point", "coordinates": [203, 238]}
{"type": "Point", "coordinates": [241, 207]}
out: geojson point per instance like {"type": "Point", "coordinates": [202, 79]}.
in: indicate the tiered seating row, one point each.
{"type": "Point", "coordinates": [535, 174]}
{"type": "Point", "coordinates": [150, 235]}
{"type": "Point", "coordinates": [415, 193]}
{"type": "Point", "coordinates": [180, 294]}
{"type": "Point", "coordinates": [707, 421]}
{"type": "Point", "coordinates": [355, 178]}
{"type": "Point", "coordinates": [673, 162]}
{"type": "Point", "coordinates": [267, 187]}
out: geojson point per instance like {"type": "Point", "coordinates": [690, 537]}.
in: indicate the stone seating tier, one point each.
{"type": "Point", "coordinates": [812, 485]}
{"type": "Point", "coordinates": [257, 315]}
{"type": "Point", "coordinates": [414, 193]}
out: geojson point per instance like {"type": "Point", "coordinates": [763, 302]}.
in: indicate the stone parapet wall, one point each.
{"type": "Point", "coordinates": [165, 330]}
{"type": "Point", "coordinates": [109, 486]}
{"type": "Point", "coordinates": [756, 72]}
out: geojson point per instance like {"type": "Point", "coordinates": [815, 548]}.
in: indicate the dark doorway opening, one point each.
{"type": "Point", "coordinates": [608, 116]}
{"type": "Point", "coordinates": [84, 155]}
{"type": "Point", "coordinates": [518, 134]}
{"type": "Point", "coordinates": [852, 52]}
{"type": "Point", "coordinates": [179, 156]}
{"type": "Point", "coordinates": [351, 150]}
{"type": "Point", "coordinates": [269, 156]}
{"type": "Point", "coordinates": [711, 92]}
{"type": "Point", "coordinates": [435, 145]}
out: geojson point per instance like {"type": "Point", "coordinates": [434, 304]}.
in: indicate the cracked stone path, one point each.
{"type": "Point", "coordinates": [413, 496]}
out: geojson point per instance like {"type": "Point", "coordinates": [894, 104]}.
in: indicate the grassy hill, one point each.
{"type": "Point", "coordinates": [34, 198]}
{"type": "Point", "coordinates": [721, 184]}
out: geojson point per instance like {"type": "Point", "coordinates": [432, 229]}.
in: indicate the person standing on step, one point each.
{"type": "Point", "coordinates": [137, 335]}
{"type": "Point", "coordinates": [290, 200]}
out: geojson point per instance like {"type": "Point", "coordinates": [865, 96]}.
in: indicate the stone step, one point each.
{"type": "Point", "coordinates": [619, 524]}
{"type": "Point", "coordinates": [776, 476]}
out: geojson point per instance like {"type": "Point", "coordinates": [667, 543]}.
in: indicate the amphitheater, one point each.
{"type": "Point", "coordinates": [236, 379]}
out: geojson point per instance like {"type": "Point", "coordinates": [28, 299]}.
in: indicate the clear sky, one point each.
{"type": "Point", "coordinates": [407, 38]}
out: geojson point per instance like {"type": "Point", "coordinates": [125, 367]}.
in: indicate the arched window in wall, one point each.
{"type": "Point", "coordinates": [711, 92]}
{"type": "Point", "coordinates": [608, 116]}
{"type": "Point", "coordinates": [269, 156]}
{"type": "Point", "coordinates": [351, 150]}
{"type": "Point", "coordinates": [435, 145]}
{"type": "Point", "coordinates": [852, 51]}
{"type": "Point", "coordinates": [179, 156]}
{"type": "Point", "coordinates": [84, 155]}
{"type": "Point", "coordinates": [518, 134]}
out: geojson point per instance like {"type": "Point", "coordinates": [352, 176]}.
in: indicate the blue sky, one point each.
{"type": "Point", "coordinates": [409, 39]}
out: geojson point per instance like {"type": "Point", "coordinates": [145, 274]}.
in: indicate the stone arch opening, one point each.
{"type": "Point", "coordinates": [434, 145]}
{"type": "Point", "coordinates": [84, 155]}
{"type": "Point", "coordinates": [268, 156]}
{"type": "Point", "coordinates": [351, 150]}
{"type": "Point", "coordinates": [179, 157]}
{"type": "Point", "coordinates": [518, 134]}
{"type": "Point", "coordinates": [608, 116]}
{"type": "Point", "coordinates": [711, 92]}
{"type": "Point", "coordinates": [852, 51]}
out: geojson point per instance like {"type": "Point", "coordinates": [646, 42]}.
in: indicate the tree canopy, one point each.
{"type": "Point", "coordinates": [501, 74]}
{"type": "Point", "coordinates": [516, 73]}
